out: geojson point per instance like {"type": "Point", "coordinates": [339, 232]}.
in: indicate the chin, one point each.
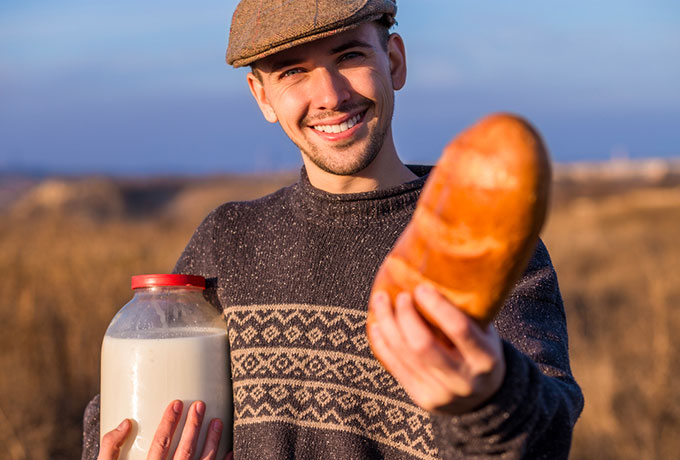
{"type": "Point", "coordinates": [347, 169]}
{"type": "Point", "coordinates": [352, 167]}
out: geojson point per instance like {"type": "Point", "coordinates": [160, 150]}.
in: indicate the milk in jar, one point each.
{"type": "Point", "coordinates": [167, 343]}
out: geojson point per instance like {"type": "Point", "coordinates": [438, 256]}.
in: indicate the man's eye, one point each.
{"type": "Point", "coordinates": [290, 72]}
{"type": "Point", "coordinates": [350, 55]}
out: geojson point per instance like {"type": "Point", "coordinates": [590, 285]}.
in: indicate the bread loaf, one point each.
{"type": "Point", "coordinates": [477, 221]}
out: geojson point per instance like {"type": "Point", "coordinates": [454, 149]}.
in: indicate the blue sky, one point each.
{"type": "Point", "coordinates": [142, 86]}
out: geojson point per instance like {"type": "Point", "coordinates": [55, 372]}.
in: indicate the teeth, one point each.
{"type": "Point", "coordinates": [334, 129]}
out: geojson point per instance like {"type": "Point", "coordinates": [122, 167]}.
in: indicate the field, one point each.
{"type": "Point", "coordinates": [69, 246]}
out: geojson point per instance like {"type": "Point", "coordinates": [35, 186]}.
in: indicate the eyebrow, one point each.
{"type": "Point", "coordinates": [278, 65]}
{"type": "Point", "coordinates": [354, 43]}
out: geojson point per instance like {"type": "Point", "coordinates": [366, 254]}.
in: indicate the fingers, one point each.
{"type": "Point", "coordinates": [419, 337]}
{"type": "Point", "coordinates": [408, 319]}
{"type": "Point", "coordinates": [388, 341]}
{"type": "Point", "coordinates": [396, 367]}
{"type": "Point", "coordinates": [114, 440]}
{"type": "Point", "coordinates": [391, 347]}
{"type": "Point", "coordinates": [162, 439]}
{"type": "Point", "coordinates": [188, 443]}
{"type": "Point", "coordinates": [212, 440]}
{"type": "Point", "coordinates": [444, 362]}
{"type": "Point", "coordinates": [435, 374]}
{"type": "Point", "coordinates": [192, 427]}
{"type": "Point", "coordinates": [471, 341]}
{"type": "Point", "coordinates": [405, 332]}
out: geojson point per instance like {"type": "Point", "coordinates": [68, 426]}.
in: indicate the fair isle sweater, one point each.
{"type": "Point", "coordinates": [292, 273]}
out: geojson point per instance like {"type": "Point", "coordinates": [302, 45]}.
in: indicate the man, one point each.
{"type": "Point", "coordinates": [293, 270]}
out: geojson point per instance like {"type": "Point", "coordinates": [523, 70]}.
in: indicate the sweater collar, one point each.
{"type": "Point", "coordinates": [356, 209]}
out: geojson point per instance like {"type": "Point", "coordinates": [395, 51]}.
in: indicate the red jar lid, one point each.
{"type": "Point", "coordinates": [142, 281]}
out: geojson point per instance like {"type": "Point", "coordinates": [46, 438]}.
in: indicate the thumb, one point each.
{"type": "Point", "coordinates": [113, 441]}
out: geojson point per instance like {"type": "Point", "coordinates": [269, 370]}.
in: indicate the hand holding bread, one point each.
{"type": "Point", "coordinates": [472, 234]}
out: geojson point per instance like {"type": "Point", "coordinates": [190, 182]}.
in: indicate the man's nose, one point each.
{"type": "Point", "coordinates": [329, 89]}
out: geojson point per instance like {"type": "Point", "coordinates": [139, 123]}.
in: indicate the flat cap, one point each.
{"type": "Point", "coordinates": [260, 28]}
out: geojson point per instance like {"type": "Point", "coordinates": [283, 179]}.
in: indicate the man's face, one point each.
{"type": "Point", "coordinates": [334, 97]}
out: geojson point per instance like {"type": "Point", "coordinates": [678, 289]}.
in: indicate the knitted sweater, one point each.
{"type": "Point", "coordinates": [292, 272]}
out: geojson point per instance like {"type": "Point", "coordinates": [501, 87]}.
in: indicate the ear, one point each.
{"type": "Point", "coordinates": [396, 53]}
{"type": "Point", "coordinates": [257, 89]}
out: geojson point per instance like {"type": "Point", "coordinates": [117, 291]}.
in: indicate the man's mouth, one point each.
{"type": "Point", "coordinates": [340, 127]}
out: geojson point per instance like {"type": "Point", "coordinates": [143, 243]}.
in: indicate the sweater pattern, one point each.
{"type": "Point", "coordinates": [311, 366]}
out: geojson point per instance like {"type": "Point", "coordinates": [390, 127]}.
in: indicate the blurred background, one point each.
{"type": "Point", "coordinates": [121, 126]}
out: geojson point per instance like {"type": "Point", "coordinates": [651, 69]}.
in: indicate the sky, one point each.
{"type": "Point", "coordinates": [142, 86]}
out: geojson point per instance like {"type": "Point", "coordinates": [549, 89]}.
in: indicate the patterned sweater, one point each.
{"type": "Point", "coordinates": [292, 272]}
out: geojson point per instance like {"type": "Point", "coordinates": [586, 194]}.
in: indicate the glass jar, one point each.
{"type": "Point", "coordinates": [167, 343]}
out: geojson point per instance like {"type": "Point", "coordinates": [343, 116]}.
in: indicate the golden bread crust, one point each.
{"type": "Point", "coordinates": [477, 222]}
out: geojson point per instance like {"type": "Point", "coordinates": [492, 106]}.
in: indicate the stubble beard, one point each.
{"type": "Point", "coordinates": [332, 161]}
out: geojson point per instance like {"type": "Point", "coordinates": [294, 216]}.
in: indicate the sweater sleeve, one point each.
{"type": "Point", "coordinates": [196, 259]}
{"type": "Point", "coordinates": [533, 413]}
{"type": "Point", "coordinates": [91, 430]}
{"type": "Point", "coordinates": [199, 257]}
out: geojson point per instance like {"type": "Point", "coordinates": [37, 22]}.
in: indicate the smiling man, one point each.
{"type": "Point", "coordinates": [334, 98]}
{"type": "Point", "coordinates": [292, 272]}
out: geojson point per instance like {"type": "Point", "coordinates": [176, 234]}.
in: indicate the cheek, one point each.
{"type": "Point", "coordinates": [290, 107]}
{"type": "Point", "coordinates": [382, 91]}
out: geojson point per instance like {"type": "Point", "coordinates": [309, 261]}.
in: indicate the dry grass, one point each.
{"type": "Point", "coordinates": [65, 267]}
{"type": "Point", "coordinates": [67, 252]}
{"type": "Point", "coordinates": [618, 259]}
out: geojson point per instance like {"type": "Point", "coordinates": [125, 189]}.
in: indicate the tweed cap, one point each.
{"type": "Point", "coordinates": [260, 28]}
